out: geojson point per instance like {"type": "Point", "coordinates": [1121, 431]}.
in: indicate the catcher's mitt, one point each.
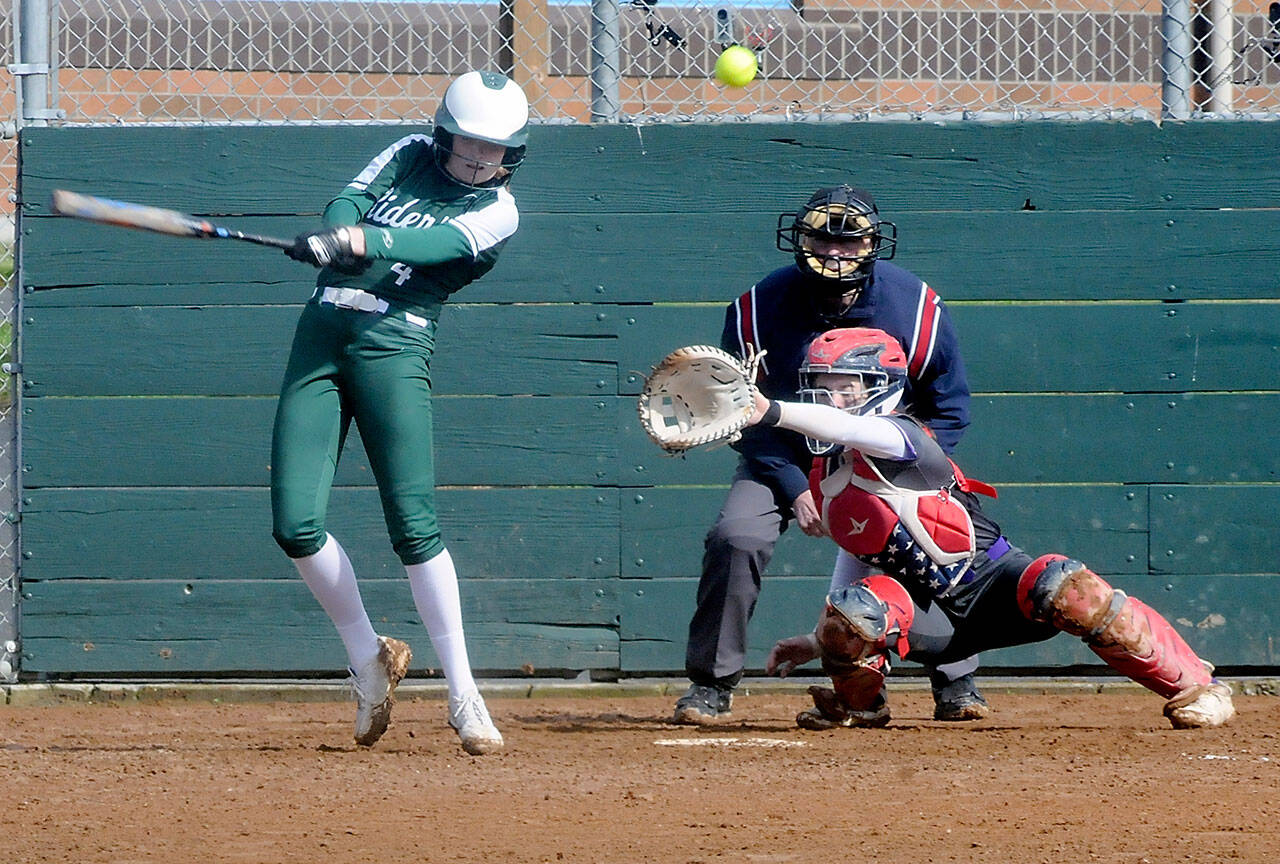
{"type": "Point", "coordinates": [697, 395]}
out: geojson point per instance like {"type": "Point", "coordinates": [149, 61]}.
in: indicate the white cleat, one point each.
{"type": "Point", "coordinates": [374, 686]}
{"type": "Point", "coordinates": [1201, 707]}
{"type": "Point", "coordinates": [470, 718]}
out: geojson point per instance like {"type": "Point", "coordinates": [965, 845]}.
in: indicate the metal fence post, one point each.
{"type": "Point", "coordinates": [1175, 60]}
{"type": "Point", "coordinates": [1222, 54]}
{"type": "Point", "coordinates": [606, 63]}
{"type": "Point", "coordinates": [32, 66]}
{"type": "Point", "coordinates": [31, 69]}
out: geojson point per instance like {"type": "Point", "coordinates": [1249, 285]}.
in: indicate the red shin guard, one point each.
{"type": "Point", "coordinates": [1140, 643]}
{"type": "Point", "coordinates": [1129, 635]}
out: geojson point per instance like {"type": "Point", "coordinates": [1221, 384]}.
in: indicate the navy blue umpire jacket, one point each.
{"type": "Point", "coordinates": [779, 314]}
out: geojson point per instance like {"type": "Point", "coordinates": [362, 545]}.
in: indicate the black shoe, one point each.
{"type": "Point", "coordinates": [959, 700]}
{"type": "Point", "coordinates": [702, 705]}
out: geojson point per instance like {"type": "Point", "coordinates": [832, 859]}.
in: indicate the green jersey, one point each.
{"type": "Point", "coordinates": [426, 235]}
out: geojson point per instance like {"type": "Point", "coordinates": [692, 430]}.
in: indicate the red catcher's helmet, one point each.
{"type": "Point", "coordinates": [872, 357]}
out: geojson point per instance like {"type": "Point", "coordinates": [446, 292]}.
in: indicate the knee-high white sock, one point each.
{"type": "Point", "coordinates": [435, 593]}
{"type": "Point", "coordinates": [332, 580]}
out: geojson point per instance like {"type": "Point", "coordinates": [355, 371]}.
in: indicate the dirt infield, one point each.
{"type": "Point", "coordinates": [1080, 777]}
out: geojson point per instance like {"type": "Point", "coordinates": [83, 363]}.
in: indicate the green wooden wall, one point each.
{"type": "Point", "coordinates": [1115, 287]}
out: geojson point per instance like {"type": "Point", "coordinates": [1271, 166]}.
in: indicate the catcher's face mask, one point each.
{"type": "Point", "coordinates": [849, 393]}
{"type": "Point", "coordinates": [855, 369]}
{"type": "Point", "coordinates": [838, 235]}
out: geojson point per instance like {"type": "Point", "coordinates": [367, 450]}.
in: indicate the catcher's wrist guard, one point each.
{"type": "Point", "coordinates": [697, 395]}
{"type": "Point", "coordinates": [771, 415]}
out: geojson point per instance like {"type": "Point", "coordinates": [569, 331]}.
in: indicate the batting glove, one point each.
{"type": "Point", "coordinates": [328, 248]}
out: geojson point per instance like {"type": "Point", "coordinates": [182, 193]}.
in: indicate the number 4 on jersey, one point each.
{"type": "Point", "coordinates": [402, 271]}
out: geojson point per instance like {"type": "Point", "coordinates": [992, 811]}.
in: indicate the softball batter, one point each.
{"type": "Point", "coordinates": [427, 216]}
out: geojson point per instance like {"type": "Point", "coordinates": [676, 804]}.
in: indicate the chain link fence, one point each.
{"type": "Point", "coordinates": [628, 61]}
{"type": "Point", "coordinates": [195, 60]}
{"type": "Point", "coordinates": [9, 486]}
{"type": "Point", "coordinates": [651, 60]}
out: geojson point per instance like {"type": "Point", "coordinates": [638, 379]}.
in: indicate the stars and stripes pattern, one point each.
{"type": "Point", "coordinates": [903, 556]}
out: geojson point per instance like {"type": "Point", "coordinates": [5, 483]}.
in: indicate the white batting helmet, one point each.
{"type": "Point", "coordinates": [487, 106]}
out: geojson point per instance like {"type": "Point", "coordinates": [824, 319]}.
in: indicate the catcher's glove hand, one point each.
{"type": "Point", "coordinates": [698, 395]}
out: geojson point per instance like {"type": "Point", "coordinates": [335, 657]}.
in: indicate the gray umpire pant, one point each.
{"type": "Point", "coordinates": [737, 550]}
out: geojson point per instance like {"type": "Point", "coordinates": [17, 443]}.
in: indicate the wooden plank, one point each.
{"type": "Point", "coordinates": [655, 615]}
{"type": "Point", "coordinates": [73, 263]}
{"type": "Point", "coordinates": [1230, 620]}
{"type": "Point", "coordinates": [1041, 255]}
{"type": "Point", "coordinates": [1214, 529]}
{"type": "Point", "coordinates": [551, 258]}
{"type": "Point", "coordinates": [1126, 347]}
{"type": "Point", "coordinates": [1085, 347]}
{"type": "Point", "coordinates": [1122, 439]}
{"type": "Point", "coordinates": [1106, 526]}
{"type": "Point", "coordinates": [1102, 438]}
{"type": "Point", "coordinates": [963, 164]}
{"type": "Point", "coordinates": [242, 350]}
{"type": "Point", "coordinates": [230, 627]}
{"type": "Point", "coordinates": [965, 255]}
{"type": "Point", "coordinates": [582, 349]}
{"type": "Point", "coordinates": [662, 532]}
{"type": "Point", "coordinates": [206, 170]}
{"type": "Point", "coordinates": [199, 534]}
{"type": "Point", "coordinates": [217, 441]}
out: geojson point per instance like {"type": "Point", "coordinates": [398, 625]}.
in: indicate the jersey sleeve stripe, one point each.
{"type": "Point", "coordinates": [926, 332]}
{"type": "Point", "coordinates": [748, 335]}
{"type": "Point", "coordinates": [467, 235]}
{"type": "Point", "coordinates": [490, 225]}
{"type": "Point", "coordinates": [374, 168]}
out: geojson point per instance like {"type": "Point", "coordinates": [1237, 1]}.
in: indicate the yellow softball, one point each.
{"type": "Point", "coordinates": [736, 66]}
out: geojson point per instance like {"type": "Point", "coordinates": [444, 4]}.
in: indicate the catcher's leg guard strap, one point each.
{"type": "Point", "coordinates": [1129, 635]}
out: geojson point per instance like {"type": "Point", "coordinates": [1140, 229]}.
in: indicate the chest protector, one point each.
{"type": "Point", "coordinates": [919, 534]}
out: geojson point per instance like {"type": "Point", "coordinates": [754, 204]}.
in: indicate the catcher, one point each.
{"type": "Point", "coordinates": [841, 275]}
{"type": "Point", "coordinates": [891, 497]}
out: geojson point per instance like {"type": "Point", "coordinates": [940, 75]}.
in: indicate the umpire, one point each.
{"type": "Point", "coordinates": [840, 278]}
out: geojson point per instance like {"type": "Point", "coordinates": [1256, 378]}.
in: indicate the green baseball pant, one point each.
{"type": "Point", "coordinates": [375, 369]}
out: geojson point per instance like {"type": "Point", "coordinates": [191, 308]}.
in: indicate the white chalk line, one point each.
{"type": "Point", "coordinates": [727, 742]}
